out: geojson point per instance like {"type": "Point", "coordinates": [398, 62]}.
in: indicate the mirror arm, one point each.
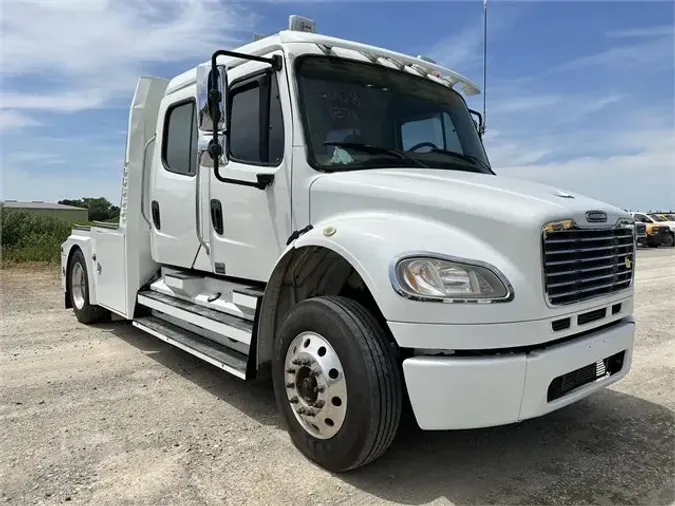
{"type": "Point", "coordinates": [481, 127]}
{"type": "Point", "coordinates": [215, 149]}
{"type": "Point", "coordinates": [262, 181]}
{"type": "Point", "coordinates": [275, 61]}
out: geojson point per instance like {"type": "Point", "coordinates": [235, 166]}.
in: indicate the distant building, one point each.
{"type": "Point", "coordinates": [68, 213]}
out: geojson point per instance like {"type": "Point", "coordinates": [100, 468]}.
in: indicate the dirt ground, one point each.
{"type": "Point", "coordinates": [110, 415]}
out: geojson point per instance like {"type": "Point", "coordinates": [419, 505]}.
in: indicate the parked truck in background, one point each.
{"type": "Point", "coordinates": [660, 232]}
{"type": "Point", "coordinates": [323, 212]}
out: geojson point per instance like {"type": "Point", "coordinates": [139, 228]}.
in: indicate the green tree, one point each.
{"type": "Point", "coordinates": [100, 209]}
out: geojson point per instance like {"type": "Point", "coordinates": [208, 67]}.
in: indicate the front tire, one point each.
{"type": "Point", "coordinates": [669, 241]}
{"type": "Point", "coordinates": [337, 383]}
{"type": "Point", "coordinates": [78, 288]}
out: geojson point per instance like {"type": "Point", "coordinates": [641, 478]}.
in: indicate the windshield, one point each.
{"type": "Point", "coordinates": [359, 116]}
{"type": "Point", "coordinates": [656, 217]}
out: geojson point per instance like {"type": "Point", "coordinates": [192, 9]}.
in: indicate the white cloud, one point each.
{"type": "Point", "coordinates": [652, 55]}
{"type": "Point", "coordinates": [650, 31]}
{"type": "Point", "coordinates": [14, 120]}
{"type": "Point", "coordinates": [642, 180]}
{"type": "Point", "coordinates": [462, 51]}
{"type": "Point", "coordinates": [78, 55]}
{"type": "Point", "coordinates": [54, 102]}
{"type": "Point", "coordinates": [629, 164]}
{"type": "Point", "coordinates": [529, 103]}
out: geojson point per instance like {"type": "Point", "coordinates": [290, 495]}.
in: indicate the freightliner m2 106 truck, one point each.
{"type": "Point", "coordinates": [322, 212]}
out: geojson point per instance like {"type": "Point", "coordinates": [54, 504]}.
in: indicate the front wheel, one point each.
{"type": "Point", "coordinates": [668, 241]}
{"type": "Point", "coordinates": [337, 383]}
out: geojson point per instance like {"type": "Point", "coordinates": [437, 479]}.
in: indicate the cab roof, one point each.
{"type": "Point", "coordinates": [293, 41]}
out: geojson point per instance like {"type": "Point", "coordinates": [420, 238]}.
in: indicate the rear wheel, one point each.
{"type": "Point", "coordinates": [668, 240]}
{"type": "Point", "coordinates": [337, 383]}
{"type": "Point", "coordinates": [78, 286]}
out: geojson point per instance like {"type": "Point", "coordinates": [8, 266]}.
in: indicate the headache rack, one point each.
{"type": "Point", "coordinates": [584, 263]}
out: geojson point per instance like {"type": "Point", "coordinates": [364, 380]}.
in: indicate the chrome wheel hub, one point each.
{"type": "Point", "coordinates": [78, 285]}
{"type": "Point", "coordinates": [315, 385]}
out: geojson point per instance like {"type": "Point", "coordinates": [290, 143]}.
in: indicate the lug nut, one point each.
{"type": "Point", "coordinates": [293, 400]}
{"type": "Point", "coordinates": [319, 388]}
{"type": "Point", "coordinates": [296, 361]}
{"type": "Point", "coordinates": [305, 411]}
{"type": "Point", "coordinates": [319, 404]}
{"type": "Point", "coordinates": [290, 371]}
{"type": "Point", "coordinates": [314, 373]}
{"type": "Point", "coordinates": [290, 385]}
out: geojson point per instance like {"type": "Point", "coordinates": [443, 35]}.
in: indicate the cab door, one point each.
{"type": "Point", "coordinates": [172, 209]}
{"type": "Point", "coordinates": [250, 226]}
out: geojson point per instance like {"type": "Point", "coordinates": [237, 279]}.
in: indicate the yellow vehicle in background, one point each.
{"type": "Point", "coordinates": [659, 231]}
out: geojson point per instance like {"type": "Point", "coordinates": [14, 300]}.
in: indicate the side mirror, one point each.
{"type": "Point", "coordinates": [211, 98]}
{"type": "Point", "coordinates": [479, 125]}
{"type": "Point", "coordinates": [211, 114]}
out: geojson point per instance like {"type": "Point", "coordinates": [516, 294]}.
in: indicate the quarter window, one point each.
{"type": "Point", "coordinates": [180, 139]}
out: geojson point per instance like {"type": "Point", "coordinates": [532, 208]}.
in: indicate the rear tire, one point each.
{"type": "Point", "coordinates": [669, 241]}
{"type": "Point", "coordinates": [355, 414]}
{"type": "Point", "coordinates": [78, 289]}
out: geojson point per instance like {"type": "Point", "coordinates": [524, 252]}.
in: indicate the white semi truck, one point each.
{"type": "Point", "coordinates": [322, 212]}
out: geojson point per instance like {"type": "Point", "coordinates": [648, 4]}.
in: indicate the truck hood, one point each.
{"type": "Point", "coordinates": [453, 194]}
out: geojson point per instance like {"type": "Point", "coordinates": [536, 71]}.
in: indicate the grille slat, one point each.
{"type": "Point", "coordinates": [586, 280]}
{"type": "Point", "coordinates": [581, 239]}
{"type": "Point", "coordinates": [563, 262]}
{"type": "Point", "coordinates": [584, 250]}
{"type": "Point", "coordinates": [581, 264]}
{"type": "Point", "coordinates": [585, 269]}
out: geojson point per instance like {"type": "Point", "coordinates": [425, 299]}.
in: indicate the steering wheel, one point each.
{"type": "Point", "coordinates": [423, 144]}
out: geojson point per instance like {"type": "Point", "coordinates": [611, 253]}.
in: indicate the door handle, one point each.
{"type": "Point", "coordinates": [155, 215]}
{"type": "Point", "coordinates": [217, 216]}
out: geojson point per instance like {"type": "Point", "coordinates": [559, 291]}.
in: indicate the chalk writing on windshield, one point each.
{"type": "Point", "coordinates": [345, 97]}
{"type": "Point", "coordinates": [342, 105]}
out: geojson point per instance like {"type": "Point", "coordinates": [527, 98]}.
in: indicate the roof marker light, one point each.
{"type": "Point", "coordinates": [300, 24]}
{"type": "Point", "coordinates": [426, 59]}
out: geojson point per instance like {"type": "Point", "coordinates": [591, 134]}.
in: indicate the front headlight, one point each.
{"type": "Point", "coordinates": [449, 279]}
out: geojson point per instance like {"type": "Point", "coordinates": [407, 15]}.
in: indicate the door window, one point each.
{"type": "Point", "coordinates": [179, 149]}
{"type": "Point", "coordinates": [256, 133]}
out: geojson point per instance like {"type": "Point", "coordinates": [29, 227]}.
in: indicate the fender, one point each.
{"type": "Point", "coordinates": [371, 241]}
{"type": "Point", "coordinates": [83, 242]}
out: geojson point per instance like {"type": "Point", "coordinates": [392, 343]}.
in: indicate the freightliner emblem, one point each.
{"type": "Point", "coordinates": [596, 217]}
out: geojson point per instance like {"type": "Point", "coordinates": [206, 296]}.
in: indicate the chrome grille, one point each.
{"type": "Point", "coordinates": [583, 263]}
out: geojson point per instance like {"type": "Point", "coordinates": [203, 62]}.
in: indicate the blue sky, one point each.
{"type": "Point", "coordinates": [580, 94]}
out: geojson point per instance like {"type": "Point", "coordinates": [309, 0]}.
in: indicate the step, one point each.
{"type": "Point", "coordinates": [247, 298]}
{"type": "Point", "coordinates": [213, 353]}
{"type": "Point", "coordinates": [203, 291]}
{"type": "Point", "coordinates": [224, 324]}
{"type": "Point", "coordinates": [181, 282]}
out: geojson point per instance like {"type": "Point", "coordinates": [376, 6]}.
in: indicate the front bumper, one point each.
{"type": "Point", "coordinates": [480, 391]}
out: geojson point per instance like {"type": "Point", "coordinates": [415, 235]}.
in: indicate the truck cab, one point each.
{"type": "Point", "coordinates": [323, 212]}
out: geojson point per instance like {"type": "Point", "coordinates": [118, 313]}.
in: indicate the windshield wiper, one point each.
{"type": "Point", "coordinates": [469, 158]}
{"type": "Point", "coordinates": [374, 150]}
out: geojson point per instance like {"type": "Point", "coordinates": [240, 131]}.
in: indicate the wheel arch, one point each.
{"type": "Point", "coordinates": [83, 245]}
{"type": "Point", "coordinates": [305, 271]}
